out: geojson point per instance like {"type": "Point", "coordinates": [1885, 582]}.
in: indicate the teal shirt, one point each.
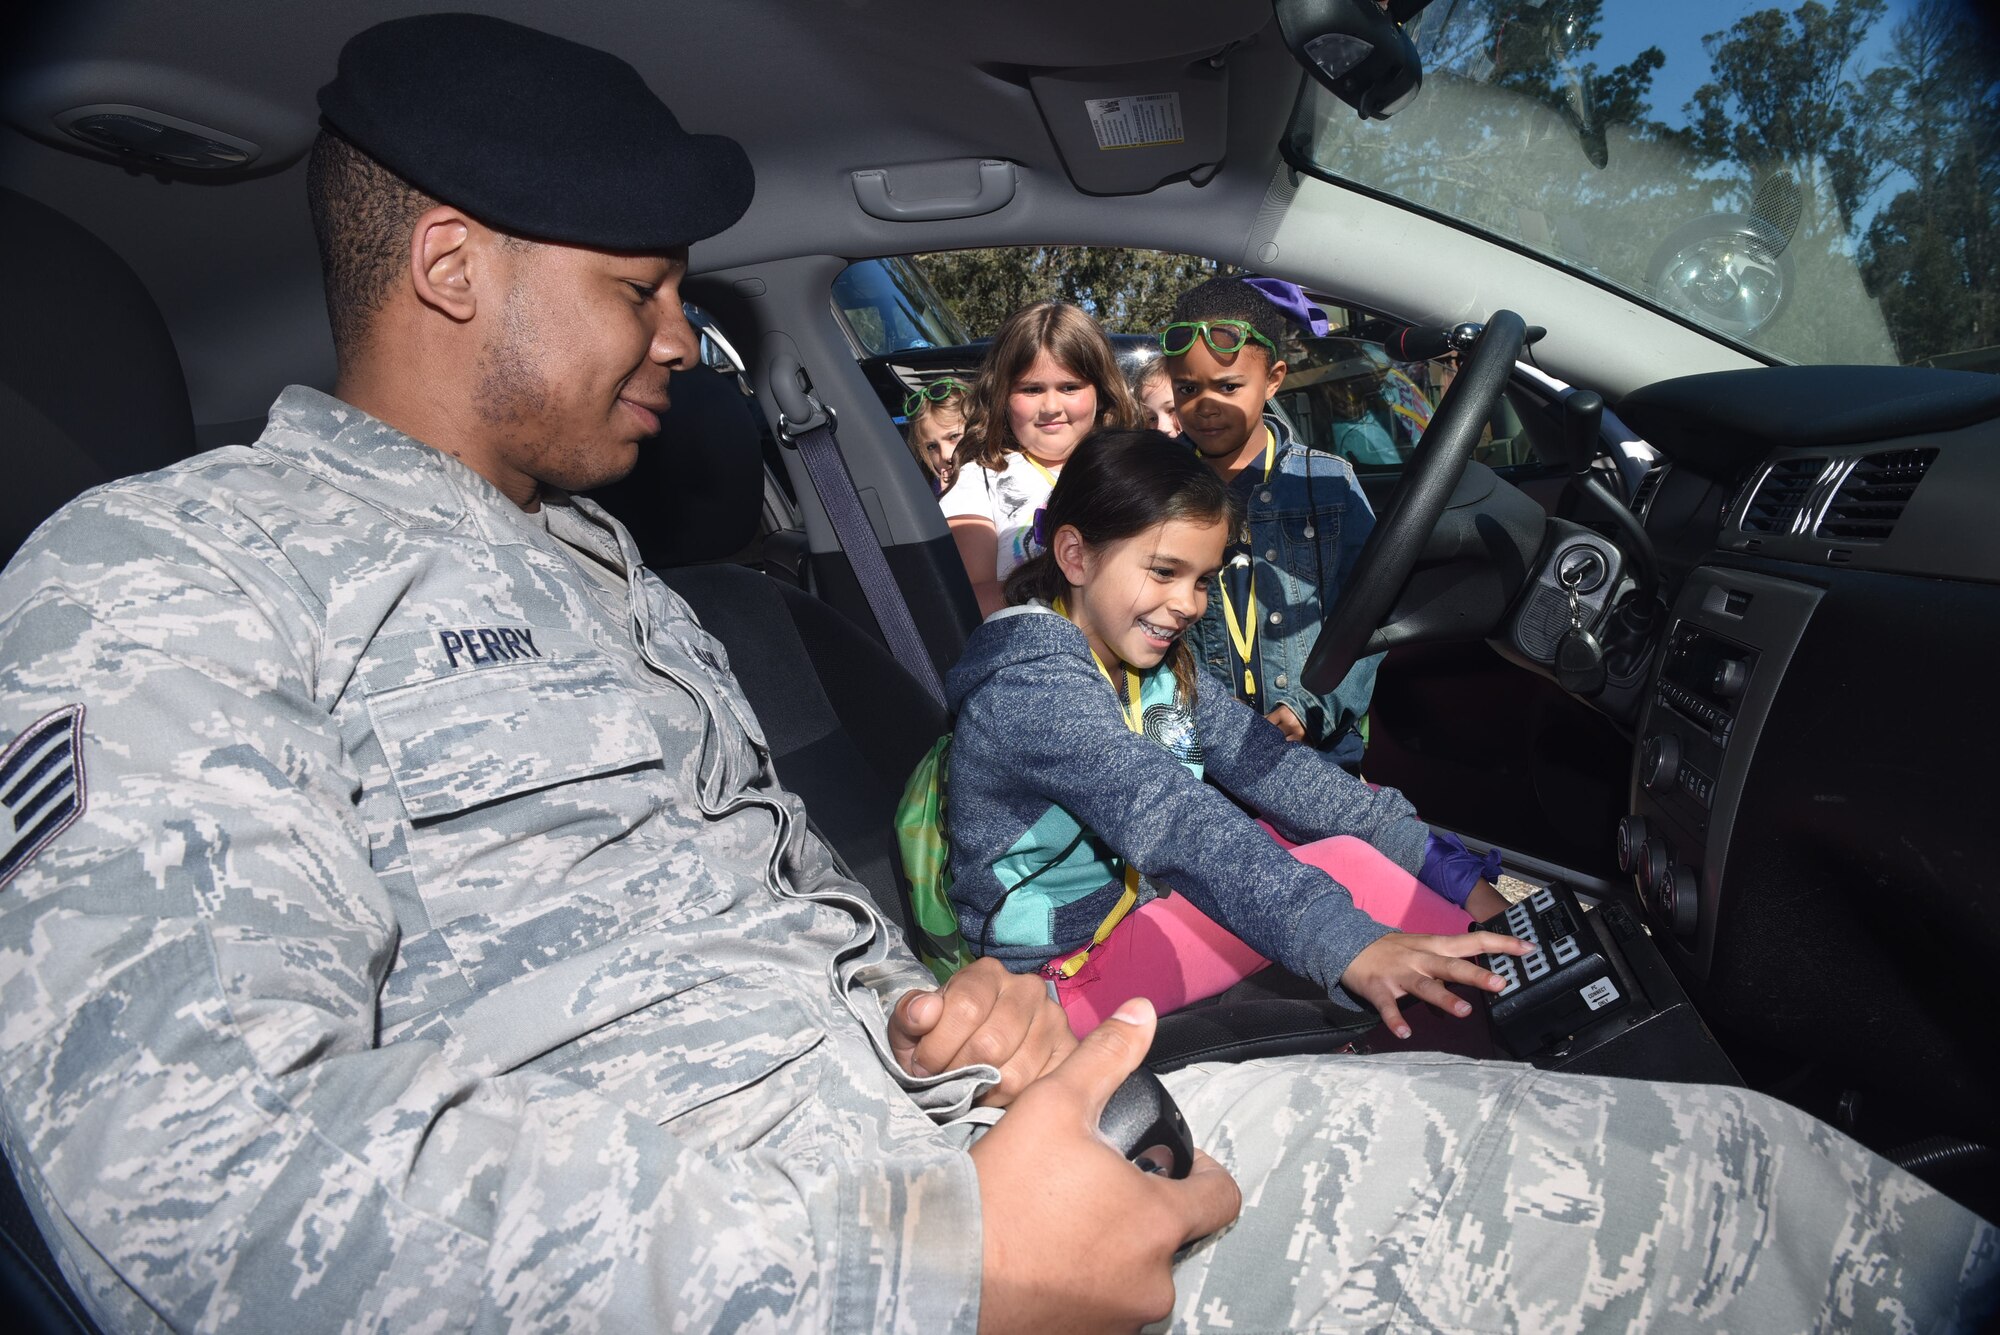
{"type": "Point", "coordinates": [1060, 860]}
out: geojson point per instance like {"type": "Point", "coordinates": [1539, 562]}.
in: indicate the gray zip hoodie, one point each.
{"type": "Point", "coordinates": [1041, 747]}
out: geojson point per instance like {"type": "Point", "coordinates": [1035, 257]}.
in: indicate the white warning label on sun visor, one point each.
{"type": "Point", "coordinates": [1145, 121]}
{"type": "Point", "coordinates": [1599, 994]}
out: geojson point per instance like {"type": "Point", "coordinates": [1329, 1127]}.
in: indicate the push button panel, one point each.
{"type": "Point", "coordinates": [1563, 982]}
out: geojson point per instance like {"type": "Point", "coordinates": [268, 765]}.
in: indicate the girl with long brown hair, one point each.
{"type": "Point", "coordinates": [1049, 379]}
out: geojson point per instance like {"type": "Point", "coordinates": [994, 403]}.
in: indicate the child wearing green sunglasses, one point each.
{"type": "Point", "coordinates": [935, 425]}
{"type": "Point", "coordinates": [1304, 516]}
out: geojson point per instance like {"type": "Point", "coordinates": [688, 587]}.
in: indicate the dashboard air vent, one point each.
{"type": "Point", "coordinates": [1642, 495]}
{"type": "Point", "coordinates": [1872, 496]}
{"type": "Point", "coordinates": [1781, 496]}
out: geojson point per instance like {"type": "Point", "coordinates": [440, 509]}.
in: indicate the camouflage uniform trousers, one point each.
{"type": "Point", "coordinates": [1425, 1192]}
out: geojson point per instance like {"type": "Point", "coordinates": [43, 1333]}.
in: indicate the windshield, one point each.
{"type": "Point", "coordinates": [1818, 184]}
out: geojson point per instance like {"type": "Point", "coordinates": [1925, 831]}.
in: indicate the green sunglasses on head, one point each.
{"type": "Point", "coordinates": [937, 392]}
{"type": "Point", "coordinates": [1224, 337]}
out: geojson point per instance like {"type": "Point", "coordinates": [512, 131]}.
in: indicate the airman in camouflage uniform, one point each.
{"type": "Point", "coordinates": [401, 926]}
{"type": "Point", "coordinates": [436, 948]}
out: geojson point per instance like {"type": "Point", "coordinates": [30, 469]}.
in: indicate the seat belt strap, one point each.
{"type": "Point", "coordinates": [837, 496]}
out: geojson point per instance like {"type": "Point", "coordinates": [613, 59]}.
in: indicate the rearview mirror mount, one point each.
{"type": "Point", "coordinates": [1357, 49]}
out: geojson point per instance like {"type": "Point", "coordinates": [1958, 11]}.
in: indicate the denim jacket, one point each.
{"type": "Point", "coordinates": [1307, 524]}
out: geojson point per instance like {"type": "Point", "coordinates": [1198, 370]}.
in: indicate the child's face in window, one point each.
{"type": "Point", "coordinates": [1050, 408]}
{"type": "Point", "coordinates": [1133, 598]}
{"type": "Point", "coordinates": [1220, 398]}
{"type": "Point", "coordinates": [1157, 401]}
{"type": "Point", "coordinates": [938, 434]}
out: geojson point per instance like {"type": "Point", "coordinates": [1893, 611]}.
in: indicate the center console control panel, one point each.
{"type": "Point", "coordinates": [1559, 985]}
{"type": "Point", "coordinates": [1727, 643]}
{"type": "Point", "coordinates": [1595, 996]}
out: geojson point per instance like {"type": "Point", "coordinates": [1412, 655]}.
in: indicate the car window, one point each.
{"type": "Point", "coordinates": [1345, 395]}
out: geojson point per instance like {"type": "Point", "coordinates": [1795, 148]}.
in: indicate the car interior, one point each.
{"type": "Point", "coordinates": [1752, 797]}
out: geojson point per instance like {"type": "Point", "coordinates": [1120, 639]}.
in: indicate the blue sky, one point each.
{"type": "Point", "coordinates": [1677, 27]}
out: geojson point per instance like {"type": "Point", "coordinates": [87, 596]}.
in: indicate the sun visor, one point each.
{"type": "Point", "coordinates": [1128, 129]}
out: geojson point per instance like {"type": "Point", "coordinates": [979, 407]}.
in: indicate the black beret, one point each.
{"type": "Point", "coordinates": [533, 134]}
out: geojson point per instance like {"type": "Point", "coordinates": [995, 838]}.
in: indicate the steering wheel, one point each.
{"type": "Point", "coordinates": [1406, 522]}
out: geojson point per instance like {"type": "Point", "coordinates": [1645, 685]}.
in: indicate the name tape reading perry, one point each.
{"type": "Point", "coordinates": [1145, 121]}
{"type": "Point", "coordinates": [488, 644]}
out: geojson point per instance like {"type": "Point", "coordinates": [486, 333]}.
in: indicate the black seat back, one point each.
{"type": "Point", "coordinates": [90, 386]}
{"type": "Point", "coordinates": [845, 723]}
{"type": "Point", "coordinates": [697, 491]}
{"type": "Point", "coordinates": [90, 390]}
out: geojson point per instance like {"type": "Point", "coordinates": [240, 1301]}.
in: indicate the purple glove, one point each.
{"type": "Point", "coordinates": [1452, 869]}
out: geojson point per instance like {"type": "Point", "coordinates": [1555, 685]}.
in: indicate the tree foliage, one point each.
{"type": "Point", "coordinates": [1922, 127]}
{"type": "Point", "coordinates": [1128, 291]}
{"type": "Point", "coordinates": [1784, 91]}
{"type": "Point", "coordinates": [1931, 255]}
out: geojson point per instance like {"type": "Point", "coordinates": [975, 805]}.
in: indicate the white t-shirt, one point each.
{"type": "Point", "coordinates": [1008, 500]}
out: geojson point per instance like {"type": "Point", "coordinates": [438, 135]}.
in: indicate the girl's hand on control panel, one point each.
{"type": "Point", "coordinates": [1406, 964]}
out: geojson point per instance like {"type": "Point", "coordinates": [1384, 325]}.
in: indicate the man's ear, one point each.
{"type": "Point", "coordinates": [443, 248]}
{"type": "Point", "coordinates": [1275, 379]}
{"type": "Point", "coordinates": [1070, 551]}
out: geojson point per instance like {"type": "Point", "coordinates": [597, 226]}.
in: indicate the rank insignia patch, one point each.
{"type": "Point", "coordinates": [41, 787]}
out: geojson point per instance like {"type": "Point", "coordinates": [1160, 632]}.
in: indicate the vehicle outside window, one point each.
{"type": "Point", "coordinates": [889, 306]}
{"type": "Point", "coordinates": [1815, 184]}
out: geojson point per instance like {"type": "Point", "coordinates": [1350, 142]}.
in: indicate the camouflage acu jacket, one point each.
{"type": "Point", "coordinates": [402, 927]}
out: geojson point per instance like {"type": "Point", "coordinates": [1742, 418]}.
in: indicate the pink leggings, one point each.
{"type": "Point", "coordinates": [1172, 953]}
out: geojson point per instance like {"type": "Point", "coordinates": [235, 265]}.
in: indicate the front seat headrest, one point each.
{"type": "Point", "coordinates": [90, 385]}
{"type": "Point", "coordinates": [698, 491]}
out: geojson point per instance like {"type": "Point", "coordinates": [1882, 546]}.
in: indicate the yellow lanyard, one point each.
{"type": "Point", "coordinates": [1135, 719]}
{"type": "Point", "coordinates": [1244, 637]}
{"type": "Point", "coordinates": [1039, 467]}
{"type": "Point", "coordinates": [1135, 714]}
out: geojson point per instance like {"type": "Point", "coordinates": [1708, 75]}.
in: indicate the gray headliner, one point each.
{"type": "Point", "coordinates": [814, 89]}
{"type": "Point", "coordinates": [834, 85]}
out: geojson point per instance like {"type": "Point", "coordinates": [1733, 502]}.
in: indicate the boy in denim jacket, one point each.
{"type": "Point", "coordinates": [1305, 517]}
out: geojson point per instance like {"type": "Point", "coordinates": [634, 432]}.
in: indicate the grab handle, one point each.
{"type": "Point", "coordinates": [996, 188]}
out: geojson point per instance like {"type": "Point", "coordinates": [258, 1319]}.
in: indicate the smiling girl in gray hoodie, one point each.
{"type": "Point", "coordinates": [1090, 832]}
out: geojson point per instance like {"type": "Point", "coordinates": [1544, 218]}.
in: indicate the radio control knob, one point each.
{"type": "Point", "coordinates": [1660, 762]}
{"type": "Point", "coordinates": [1730, 678]}
{"type": "Point", "coordinates": [1653, 865]}
{"type": "Point", "coordinates": [1631, 837]}
{"type": "Point", "coordinates": [1680, 903]}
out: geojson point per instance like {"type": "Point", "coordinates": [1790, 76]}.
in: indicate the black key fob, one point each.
{"type": "Point", "coordinates": [1140, 1119]}
{"type": "Point", "coordinates": [1580, 662]}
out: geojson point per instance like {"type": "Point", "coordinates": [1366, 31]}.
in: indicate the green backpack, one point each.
{"type": "Point", "coordinates": [921, 838]}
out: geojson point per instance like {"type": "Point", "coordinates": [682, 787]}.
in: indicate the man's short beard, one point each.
{"type": "Point", "coordinates": [512, 389]}
{"type": "Point", "coordinates": [515, 400]}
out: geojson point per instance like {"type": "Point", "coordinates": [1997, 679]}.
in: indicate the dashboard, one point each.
{"type": "Point", "coordinates": [1813, 779]}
